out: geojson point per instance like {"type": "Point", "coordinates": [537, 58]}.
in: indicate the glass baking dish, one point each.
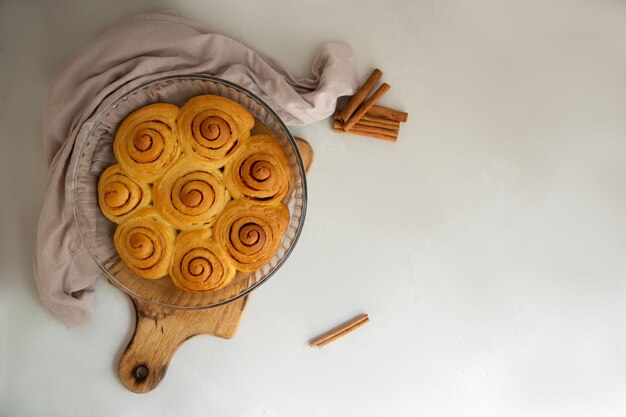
{"type": "Point", "coordinates": [96, 154]}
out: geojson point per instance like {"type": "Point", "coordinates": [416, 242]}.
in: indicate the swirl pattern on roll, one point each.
{"type": "Point", "coordinates": [199, 263]}
{"type": "Point", "coordinates": [213, 128]}
{"type": "Point", "coordinates": [190, 195]}
{"type": "Point", "coordinates": [260, 171]}
{"type": "Point", "coordinates": [120, 196]}
{"type": "Point", "coordinates": [146, 143]}
{"type": "Point", "coordinates": [145, 243]}
{"type": "Point", "coordinates": [251, 232]}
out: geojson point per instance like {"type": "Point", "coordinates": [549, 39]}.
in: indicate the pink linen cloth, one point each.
{"type": "Point", "coordinates": [140, 49]}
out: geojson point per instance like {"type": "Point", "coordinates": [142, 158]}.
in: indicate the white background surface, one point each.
{"type": "Point", "coordinates": [487, 245]}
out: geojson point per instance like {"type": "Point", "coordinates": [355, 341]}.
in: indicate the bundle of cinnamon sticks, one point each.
{"type": "Point", "coordinates": [361, 116]}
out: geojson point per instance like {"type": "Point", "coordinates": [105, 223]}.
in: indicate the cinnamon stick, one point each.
{"type": "Point", "coordinates": [381, 120]}
{"type": "Point", "coordinates": [361, 94]}
{"type": "Point", "coordinates": [339, 331]}
{"type": "Point", "coordinates": [387, 113]}
{"type": "Point", "coordinates": [390, 137]}
{"type": "Point", "coordinates": [375, 123]}
{"type": "Point", "coordinates": [366, 105]}
{"type": "Point", "coordinates": [368, 120]}
{"type": "Point", "coordinates": [363, 126]}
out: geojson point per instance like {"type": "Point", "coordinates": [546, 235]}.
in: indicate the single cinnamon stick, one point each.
{"type": "Point", "coordinates": [391, 137]}
{"type": "Point", "coordinates": [380, 120]}
{"type": "Point", "coordinates": [363, 126]}
{"type": "Point", "coordinates": [366, 105]}
{"type": "Point", "coordinates": [364, 123]}
{"type": "Point", "coordinates": [387, 113]}
{"type": "Point", "coordinates": [361, 94]}
{"type": "Point", "coordinates": [373, 121]}
{"type": "Point", "coordinates": [339, 331]}
{"type": "Point", "coordinates": [338, 335]}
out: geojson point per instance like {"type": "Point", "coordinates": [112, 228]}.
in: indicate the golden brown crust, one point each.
{"type": "Point", "coordinates": [190, 195]}
{"type": "Point", "coordinates": [213, 128]}
{"type": "Point", "coordinates": [259, 171]}
{"type": "Point", "coordinates": [119, 196]}
{"type": "Point", "coordinates": [251, 232]}
{"type": "Point", "coordinates": [145, 243]}
{"type": "Point", "coordinates": [199, 263]}
{"type": "Point", "coordinates": [145, 143]}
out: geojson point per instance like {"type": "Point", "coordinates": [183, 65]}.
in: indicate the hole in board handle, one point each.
{"type": "Point", "coordinates": [140, 373]}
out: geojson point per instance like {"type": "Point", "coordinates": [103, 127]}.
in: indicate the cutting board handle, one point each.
{"type": "Point", "coordinates": [159, 332]}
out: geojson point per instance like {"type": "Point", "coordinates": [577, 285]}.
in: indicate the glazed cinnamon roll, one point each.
{"type": "Point", "coordinates": [190, 195]}
{"type": "Point", "coordinates": [145, 243]}
{"type": "Point", "coordinates": [119, 195]}
{"type": "Point", "coordinates": [260, 171]}
{"type": "Point", "coordinates": [145, 143]}
{"type": "Point", "coordinates": [213, 128]}
{"type": "Point", "coordinates": [251, 232]}
{"type": "Point", "coordinates": [199, 263]}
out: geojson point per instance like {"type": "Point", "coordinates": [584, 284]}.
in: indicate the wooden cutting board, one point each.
{"type": "Point", "coordinates": [160, 331]}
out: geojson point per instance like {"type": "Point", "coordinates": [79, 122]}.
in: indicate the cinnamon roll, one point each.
{"type": "Point", "coordinates": [145, 243]}
{"type": "Point", "coordinates": [213, 128]}
{"type": "Point", "coordinates": [251, 232]}
{"type": "Point", "coordinates": [190, 195]}
{"type": "Point", "coordinates": [260, 171]}
{"type": "Point", "coordinates": [145, 144]}
{"type": "Point", "coordinates": [199, 263]}
{"type": "Point", "coordinates": [119, 195]}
